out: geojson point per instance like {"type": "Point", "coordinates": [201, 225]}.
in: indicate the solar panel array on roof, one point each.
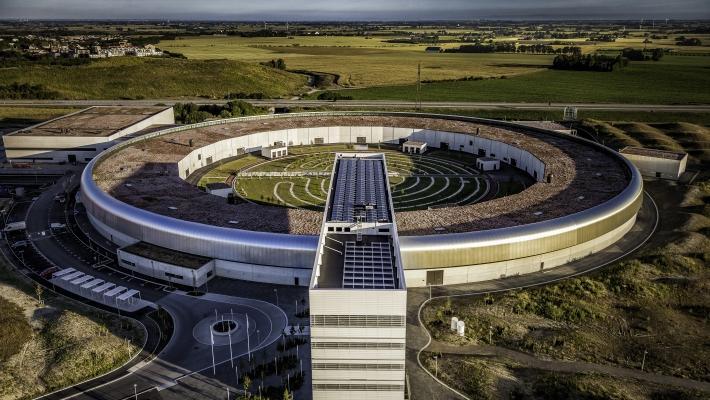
{"type": "Point", "coordinates": [368, 266]}
{"type": "Point", "coordinates": [360, 190]}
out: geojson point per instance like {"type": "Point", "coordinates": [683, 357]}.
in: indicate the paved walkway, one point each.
{"type": "Point", "coordinates": [566, 366]}
{"type": "Point", "coordinates": [423, 384]}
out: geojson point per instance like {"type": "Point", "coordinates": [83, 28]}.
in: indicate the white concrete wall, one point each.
{"type": "Point", "coordinates": [349, 134]}
{"type": "Point", "coordinates": [157, 269]}
{"type": "Point", "coordinates": [649, 166]}
{"type": "Point", "coordinates": [262, 273]}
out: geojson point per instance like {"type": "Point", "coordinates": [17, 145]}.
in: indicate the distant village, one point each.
{"type": "Point", "coordinates": [84, 46]}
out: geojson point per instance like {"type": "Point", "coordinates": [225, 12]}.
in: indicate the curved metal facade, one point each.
{"type": "Point", "coordinates": [418, 252]}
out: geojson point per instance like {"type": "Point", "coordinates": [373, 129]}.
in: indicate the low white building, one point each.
{"type": "Point", "coordinates": [487, 164]}
{"type": "Point", "coordinates": [657, 163]}
{"type": "Point", "coordinates": [80, 136]}
{"type": "Point", "coordinates": [272, 152]}
{"type": "Point", "coordinates": [166, 264]}
{"type": "Point", "coordinates": [414, 147]}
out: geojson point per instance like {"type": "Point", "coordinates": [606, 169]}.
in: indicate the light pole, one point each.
{"type": "Point", "coordinates": [276, 291]}
{"type": "Point", "coordinates": [643, 361]}
{"type": "Point", "coordinates": [436, 366]}
{"type": "Point", "coordinates": [135, 390]}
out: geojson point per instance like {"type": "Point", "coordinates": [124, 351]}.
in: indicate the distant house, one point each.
{"type": "Point", "coordinates": [433, 49]}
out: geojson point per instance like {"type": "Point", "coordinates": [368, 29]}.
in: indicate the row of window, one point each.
{"type": "Point", "coordinates": [356, 345]}
{"type": "Point", "coordinates": [363, 321]}
{"type": "Point", "coordinates": [379, 367]}
{"type": "Point", "coordinates": [358, 387]}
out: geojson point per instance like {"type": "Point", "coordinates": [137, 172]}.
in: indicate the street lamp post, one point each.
{"type": "Point", "coordinates": [135, 390]}
{"type": "Point", "coordinates": [643, 360]}
{"type": "Point", "coordinates": [276, 291]}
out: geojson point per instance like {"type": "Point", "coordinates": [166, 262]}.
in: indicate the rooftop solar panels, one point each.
{"type": "Point", "coordinates": [360, 191]}
{"type": "Point", "coordinates": [368, 266]}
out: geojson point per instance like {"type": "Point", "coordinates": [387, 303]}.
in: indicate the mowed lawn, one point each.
{"type": "Point", "coordinates": [358, 61]}
{"type": "Point", "coordinates": [674, 80]}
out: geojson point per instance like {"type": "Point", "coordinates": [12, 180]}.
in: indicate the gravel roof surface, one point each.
{"type": "Point", "coordinates": [150, 169]}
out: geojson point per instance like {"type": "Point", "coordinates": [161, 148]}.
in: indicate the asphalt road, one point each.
{"type": "Point", "coordinates": [185, 355]}
{"type": "Point", "coordinates": [380, 104]}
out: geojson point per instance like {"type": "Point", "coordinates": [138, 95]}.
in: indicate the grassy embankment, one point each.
{"type": "Point", "coordinates": [146, 78]}
{"type": "Point", "coordinates": [48, 346]}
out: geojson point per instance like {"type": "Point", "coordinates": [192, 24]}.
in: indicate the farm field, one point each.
{"type": "Point", "coordinates": [437, 178]}
{"type": "Point", "coordinates": [358, 61]}
{"type": "Point", "coordinates": [673, 80]}
{"type": "Point", "coordinates": [139, 78]}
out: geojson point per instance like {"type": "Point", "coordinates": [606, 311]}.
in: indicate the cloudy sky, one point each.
{"type": "Point", "coordinates": [295, 10]}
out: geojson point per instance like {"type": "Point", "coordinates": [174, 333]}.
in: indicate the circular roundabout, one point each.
{"type": "Point", "coordinates": [553, 197]}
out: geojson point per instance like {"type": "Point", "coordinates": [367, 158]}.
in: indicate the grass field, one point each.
{"type": "Point", "coordinates": [358, 61]}
{"type": "Point", "coordinates": [138, 78]}
{"type": "Point", "coordinates": [416, 182]}
{"type": "Point", "coordinates": [673, 80]}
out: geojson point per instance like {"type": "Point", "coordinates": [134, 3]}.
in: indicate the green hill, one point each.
{"type": "Point", "coordinates": [136, 78]}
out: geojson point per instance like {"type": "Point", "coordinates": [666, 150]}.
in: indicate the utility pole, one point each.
{"type": "Point", "coordinates": [643, 361]}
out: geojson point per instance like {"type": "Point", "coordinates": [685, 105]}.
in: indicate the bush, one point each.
{"type": "Point", "coordinates": [26, 91]}
{"type": "Point", "coordinates": [334, 96]}
{"type": "Point", "coordinates": [15, 331]}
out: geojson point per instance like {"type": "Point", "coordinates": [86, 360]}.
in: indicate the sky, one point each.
{"type": "Point", "coordinates": [349, 10]}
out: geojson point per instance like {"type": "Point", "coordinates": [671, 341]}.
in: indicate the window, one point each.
{"type": "Point", "coordinates": [369, 366]}
{"type": "Point", "coordinates": [482, 152]}
{"type": "Point", "coordinates": [132, 264]}
{"type": "Point", "coordinates": [470, 142]}
{"type": "Point", "coordinates": [435, 277]}
{"type": "Point", "coordinates": [176, 276]}
{"type": "Point", "coordinates": [658, 174]}
{"type": "Point", "coordinates": [209, 273]}
{"type": "Point", "coordinates": [361, 140]}
{"type": "Point", "coordinates": [384, 230]}
{"type": "Point", "coordinates": [362, 321]}
{"type": "Point", "coordinates": [357, 387]}
{"type": "Point", "coordinates": [357, 345]}
{"type": "Point", "coordinates": [209, 160]}
{"type": "Point", "coordinates": [318, 140]}
{"type": "Point", "coordinates": [199, 156]}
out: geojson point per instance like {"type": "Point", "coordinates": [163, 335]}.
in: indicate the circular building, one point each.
{"type": "Point", "coordinates": [474, 199]}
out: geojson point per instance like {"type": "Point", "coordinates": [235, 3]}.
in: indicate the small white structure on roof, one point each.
{"type": "Point", "coordinates": [413, 147]}
{"type": "Point", "coordinates": [488, 164]}
{"type": "Point", "coordinates": [272, 152]}
{"type": "Point", "coordinates": [657, 163]}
